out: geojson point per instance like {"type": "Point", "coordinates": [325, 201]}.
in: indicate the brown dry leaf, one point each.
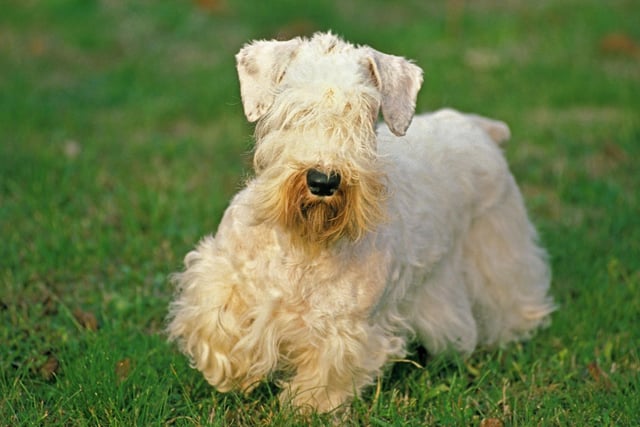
{"type": "Point", "coordinates": [214, 6]}
{"type": "Point", "coordinates": [491, 422]}
{"type": "Point", "coordinates": [37, 46]}
{"type": "Point", "coordinates": [619, 44]}
{"type": "Point", "coordinates": [49, 368]}
{"type": "Point", "coordinates": [599, 376]}
{"type": "Point", "coordinates": [49, 306]}
{"type": "Point", "coordinates": [614, 152]}
{"type": "Point", "coordinates": [86, 319]}
{"type": "Point", "coordinates": [123, 369]}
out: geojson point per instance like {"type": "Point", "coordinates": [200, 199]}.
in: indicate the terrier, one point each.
{"type": "Point", "coordinates": [353, 239]}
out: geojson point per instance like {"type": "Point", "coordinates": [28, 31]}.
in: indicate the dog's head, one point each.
{"type": "Point", "coordinates": [316, 103]}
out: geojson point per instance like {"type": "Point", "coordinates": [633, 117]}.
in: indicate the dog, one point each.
{"type": "Point", "coordinates": [354, 239]}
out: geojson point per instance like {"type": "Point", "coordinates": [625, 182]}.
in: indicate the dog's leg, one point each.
{"type": "Point", "coordinates": [307, 390]}
{"type": "Point", "coordinates": [441, 311]}
{"type": "Point", "coordinates": [218, 324]}
{"type": "Point", "coordinates": [507, 272]}
{"type": "Point", "coordinates": [335, 367]}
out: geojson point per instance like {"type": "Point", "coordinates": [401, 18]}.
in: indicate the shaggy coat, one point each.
{"type": "Point", "coordinates": [426, 237]}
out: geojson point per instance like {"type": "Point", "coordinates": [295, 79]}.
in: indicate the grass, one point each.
{"type": "Point", "coordinates": [122, 139]}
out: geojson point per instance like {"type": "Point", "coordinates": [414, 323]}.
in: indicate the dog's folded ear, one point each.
{"type": "Point", "coordinates": [399, 82]}
{"type": "Point", "coordinates": [261, 65]}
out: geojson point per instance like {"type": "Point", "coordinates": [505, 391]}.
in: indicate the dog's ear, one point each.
{"type": "Point", "coordinates": [399, 82]}
{"type": "Point", "coordinates": [261, 66]}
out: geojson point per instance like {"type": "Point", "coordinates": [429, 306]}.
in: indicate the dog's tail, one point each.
{"type": "Point", "coordinates": [497, 130]}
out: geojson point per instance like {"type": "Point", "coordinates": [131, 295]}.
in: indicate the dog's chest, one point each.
{"type": "Point", "coordinates": [341, 282]}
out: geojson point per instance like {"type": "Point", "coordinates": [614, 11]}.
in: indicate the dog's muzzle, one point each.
{"type": "Point", "coordinates": [321, 184]}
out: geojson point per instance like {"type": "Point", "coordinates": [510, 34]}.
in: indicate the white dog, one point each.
{"type": "Point", "coordinates": [352, 240]}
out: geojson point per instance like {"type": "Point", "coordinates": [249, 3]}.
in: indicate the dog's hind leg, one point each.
{"type": "Point", "coordinates": [506, 271]}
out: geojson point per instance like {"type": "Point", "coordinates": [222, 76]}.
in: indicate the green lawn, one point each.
{"type": "Point", "coordinates": [122, 139]}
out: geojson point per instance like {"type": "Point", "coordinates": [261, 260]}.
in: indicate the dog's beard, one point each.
{"type": "Point", "coordinates": [314, 223]}
{"type": "Point", "coordinates": [321, 220]}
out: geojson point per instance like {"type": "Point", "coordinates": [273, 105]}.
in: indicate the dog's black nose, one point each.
{"type": "Point", "coordinates": [321, 184]}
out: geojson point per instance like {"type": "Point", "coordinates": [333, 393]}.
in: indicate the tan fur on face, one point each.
{"type": "Point", "coordinates": [317, 222]}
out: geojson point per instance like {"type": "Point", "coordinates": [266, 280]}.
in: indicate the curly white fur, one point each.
{"type": "Point", "coordinates": [427, 236]}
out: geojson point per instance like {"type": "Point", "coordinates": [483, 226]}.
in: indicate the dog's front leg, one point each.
{"type": "Point", "coordinates": [338, 360]}
{"type": "Point", "coordinates": [320, 383]}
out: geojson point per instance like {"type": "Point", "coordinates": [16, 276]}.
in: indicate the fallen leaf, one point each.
{"type": "Point", "coordinates": [491, 422]}
{"type": "Point", "coordinates": [599, 376]}
{"type": "Point", "coordinates": [215, 6]}
{"type": "Point", "coordinates": [123, 369]}
{"type": "Point", "coordinates": [86, 319]}
{"type": "Point", "coordinates": [619, 44]}
{"type": "Point", "coordinates": [614, 152]}
{"type": "Point", "coordinates": [37, 46]}
{"type": "Point", "coordinates": [49, 368]}
{"type": "Point", "coordinates": [49, 306]}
